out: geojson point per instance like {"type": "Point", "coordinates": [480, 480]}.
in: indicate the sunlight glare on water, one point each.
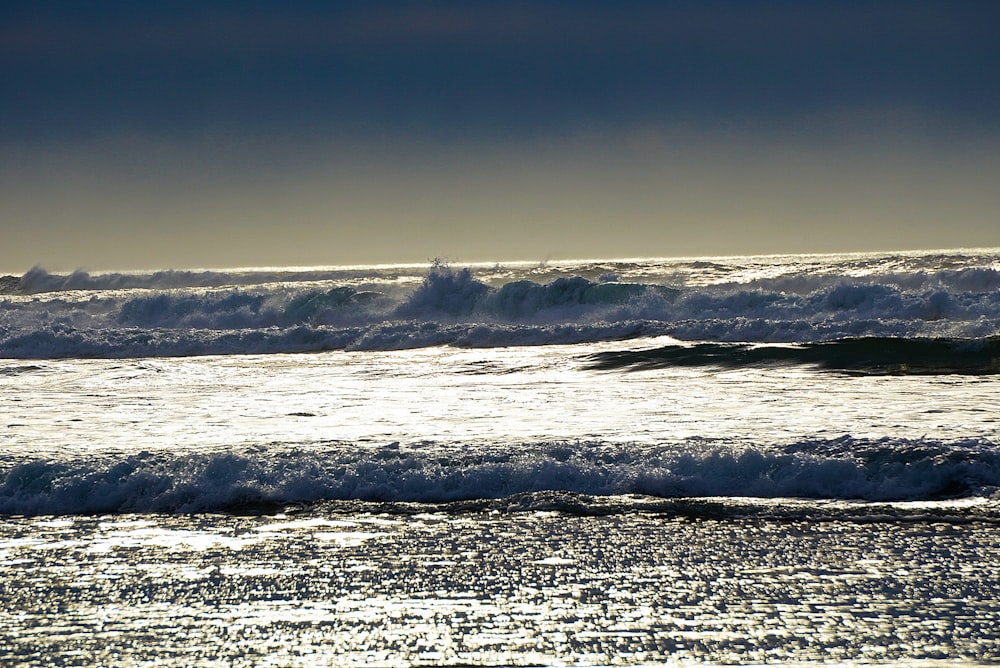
{"type": "Point", "coordinates": [536, 588]}
{"type": "Point", "coordinates": [447, 394]}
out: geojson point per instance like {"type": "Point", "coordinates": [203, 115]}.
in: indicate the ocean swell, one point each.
{"type": "Point", "coordinates": [877, 356]}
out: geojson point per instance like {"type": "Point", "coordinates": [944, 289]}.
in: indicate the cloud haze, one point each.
{"type": "Point", "coordinates": [211, 134]}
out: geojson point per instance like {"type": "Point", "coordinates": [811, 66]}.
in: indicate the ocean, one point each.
{"type": "Point", "coordinates": [698, 461]}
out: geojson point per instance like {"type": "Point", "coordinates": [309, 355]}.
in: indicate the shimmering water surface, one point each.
{"type": "Point", "coordinates": [543, 393]}
{"type": "Point", "coordinates": [330, 587]}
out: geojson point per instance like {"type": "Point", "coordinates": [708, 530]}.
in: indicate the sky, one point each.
{"type": "Point", "coordinates": [263, 133]}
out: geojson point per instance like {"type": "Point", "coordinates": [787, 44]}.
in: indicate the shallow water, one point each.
{"type": "Point", "coordinates": [337, 587]}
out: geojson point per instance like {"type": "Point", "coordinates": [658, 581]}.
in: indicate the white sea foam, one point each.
{"type": "Point", "coordinates": [184, 313]}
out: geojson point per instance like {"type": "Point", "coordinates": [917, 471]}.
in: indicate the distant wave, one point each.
{"type": "Point", "coordinates": [840, 469]}
{"type": "Point", "coordinates": [975, 270]}
{"type": "Point", "coordinates": [38, 281]}
{"type": "Point", "coordinates": [371, 309]}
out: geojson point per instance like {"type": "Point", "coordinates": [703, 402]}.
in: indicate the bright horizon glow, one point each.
{"type": "Point", "coordinates": [139, 204]}
{"type": "Point", "coordinates": [550, 263]}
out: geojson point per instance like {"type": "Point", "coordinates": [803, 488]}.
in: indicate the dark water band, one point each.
{"type": "Point", "coordinates": [870, 355]}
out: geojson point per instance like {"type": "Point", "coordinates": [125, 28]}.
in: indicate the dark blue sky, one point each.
{"type": "Point", "coordinates": [438, 123]}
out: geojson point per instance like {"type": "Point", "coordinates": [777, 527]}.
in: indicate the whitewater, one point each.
{"type": "Point", "coordinates": [675, 461]}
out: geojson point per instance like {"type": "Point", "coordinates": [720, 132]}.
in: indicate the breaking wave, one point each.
{"type": "Point", "coordinates": [170, 313]}
{"type": "Point", "coordinates": [482, 474]}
